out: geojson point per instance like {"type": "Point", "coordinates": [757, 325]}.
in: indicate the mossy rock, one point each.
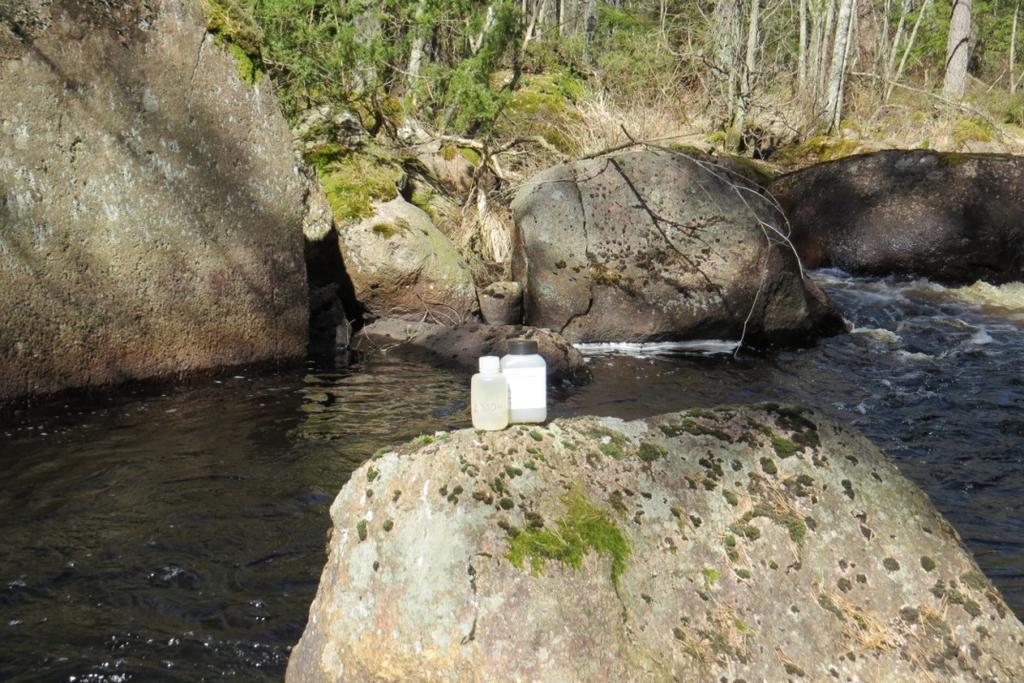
{"type": "Point", "coordinates": [650, 244]}
{"type": "Point", "coordinates": [354, 180]}
{"type": "Point", "coordinates": [235, 29]}
{"type": "Point", "coordinates": [968, 130]}
{"type": "Point", "coordinates": [818, 149]}
{"type": "Point", "coordinates": [625, 572]}
{"type": "Point", "coordinates": [399, 262]}
{"type": "Point", "coordinates": [543, 105]}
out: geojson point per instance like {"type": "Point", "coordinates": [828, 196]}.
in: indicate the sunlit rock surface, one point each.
{"type": "Point", "coordinates": [741, 543]}
{"type": "Point", "coordinates": [401, 264]}
{"type": "Point", "coordinates": [652, 245]}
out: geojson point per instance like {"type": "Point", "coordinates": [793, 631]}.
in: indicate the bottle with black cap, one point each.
{"type": "Point", "coordinates": [526, 373]}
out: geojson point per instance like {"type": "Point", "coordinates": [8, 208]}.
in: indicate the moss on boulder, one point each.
{"type": "Point", "coordinates": [531, 554]}
{"type": "Point", "coordinates": [399, 262]}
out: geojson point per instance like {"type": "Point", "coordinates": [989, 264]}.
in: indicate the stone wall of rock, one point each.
{"type": "Point", "coordinates": [151, 208]}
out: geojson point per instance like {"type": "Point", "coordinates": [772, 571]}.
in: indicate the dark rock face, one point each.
{"type": "Point", "coordinates": [151, 208]}
{"type": "Point", "coordinates": [462, 346]}
{"type": "Point", "coordinates": [954, 218]}
{"type": "Point", "coordinates": [757, 543]}
{"type": "Point", "coordinates": [652, 245]}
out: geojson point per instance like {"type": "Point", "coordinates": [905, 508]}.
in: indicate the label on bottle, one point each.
{"type": "Point", "coordinates": [488, 407]}
{"type": "Point", "coordinates": [527, 388]}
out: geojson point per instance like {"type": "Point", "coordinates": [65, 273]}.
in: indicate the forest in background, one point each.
{"type": "Point", "coordinates": [516, 85]}
{"type": "Point", "coordinates": [751, 75]}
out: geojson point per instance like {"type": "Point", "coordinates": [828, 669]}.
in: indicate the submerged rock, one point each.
{"type": "Point", "coordinates": [654, 245]}
{"type": "Point", "coordinates": [462, 346]}
{"type": "Point", "coordinates": [740, 544]}
{"type": "Point", "coordinates": [954, 218]}
{"type": "Point", "coordinates": [151, 207]}
{"type": "Point", "coordinates": [401, 264]}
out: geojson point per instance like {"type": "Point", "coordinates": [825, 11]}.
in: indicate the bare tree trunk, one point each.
{"type": "Point", "coordinates": [531, 27]}
{"type": "Point", "coordinates": [815, 49]}
{"type": "Point", "coordinates": [958, 50]}
{"type": "Point", "coordinates": [895, 46]}
{"type": "Point", "coordinates": [882, 41]}
{"type": "Point", "coordinates": [827, 34]}
{"type": "Point", "coordinates": [801, 60]}
{"type": "Point", "coordinates": [906, 52]}
{"type": "Point", "coordinates": [837, 71]}
{"type": "Point", "coordinates": [725, 32]}
{"type": "Point", "coordinates": [416, 50]}
{"type": "Point", "coordinates": [662, 20]}
{"type": "Point", "coordinates": [747, 73]}
{"type": "Point", "coordinates": [1013, 51]}
{"type": "Point", "coordinates": [589, 22]}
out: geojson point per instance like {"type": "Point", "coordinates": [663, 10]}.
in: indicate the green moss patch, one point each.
{"type": "Point", "coordinates": [804, 431]}
{"type": "Point", "coordinates": [784, 448]}
{"type": "Point", "coordinates": [234, 29]}
{"type": "Point", "coordinates": [967, 130]}
{"type": "Point", "coordinates": [817, 149]}
{"type": "Point", "coordinates": [353, 181]}
{"type": "Point", "coordinates": [611, 450]}
{"type": "Point", "coordinates": [794, 523]}
{"type": "Point", "coordinates": [543, 105]}
{"type": "Point", "coordinates": [690, 426]}
{"type": "Point", "coordinates": [711, 575]}
{"type": "Point", "coordinates": [384, 230]}
{"type": "Point", "coordinates": [583, 528]}
{"type": "Point", "coordinates": [649, 452]}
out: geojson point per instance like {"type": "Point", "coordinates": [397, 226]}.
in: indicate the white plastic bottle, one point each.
{"type": "Point", "coordinates": [488, 396]}
{"type": "Point", "coordinates": [527, 376]}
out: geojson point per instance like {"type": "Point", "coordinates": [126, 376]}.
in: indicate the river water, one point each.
{"type": "Point", "coordinates": [178, 533]}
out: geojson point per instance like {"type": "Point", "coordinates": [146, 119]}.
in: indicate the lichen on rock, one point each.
{"type": "Point", "coordinates": [597, 549]}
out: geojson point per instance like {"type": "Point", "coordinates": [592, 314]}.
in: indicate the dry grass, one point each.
{"type": "Point", "coordinates": [865, 628]}
{"type": "Point", "coordinates": [604, 123]}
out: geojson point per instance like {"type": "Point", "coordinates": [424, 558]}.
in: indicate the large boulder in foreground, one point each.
{"type": "Point", "coordinates": [462, 346]}
{"type": "Point", "coordinates": [151, 208]}
{"type": "Point", "coordinates": [653, 245]}
{"type": "Point", "coordinates": [739, 544]}
{"type": "Point", "coordinates": [954, 218]}
{"type": "Point", "coordinates": [401, 264]}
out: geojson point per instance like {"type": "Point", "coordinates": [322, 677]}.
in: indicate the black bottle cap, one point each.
{"type": "Point", "coordinates": [522, 347]}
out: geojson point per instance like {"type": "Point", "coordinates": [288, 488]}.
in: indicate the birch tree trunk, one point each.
{"type": "Point", "coordinates": [747, 73]}
{"type": "Point", "coordinates": [837, 71]}
{"type": "Point", "coordinates": [1013, 52]}
{"type": "Point", "coordinates": [475, 43]}
{"type": "Point", "coordinates": [801, 59]}
{"type": "Point", "coordinates": [958, 50]}
{"type": "Point", "coordinates": [416, 51]}
{"type": "Point", "coordinates": [531, 28]}
{"type": "Point", "coordinates": [830, 16]}
{"type": "Point", "coordinates": [906, 52]}
{"type": "Point", "coordinates": [895, 46]}
{"type": "Point", "coordinates": [725, 30]}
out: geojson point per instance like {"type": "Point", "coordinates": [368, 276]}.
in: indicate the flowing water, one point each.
{"type": "Point", "coordinates": [179, 533]}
